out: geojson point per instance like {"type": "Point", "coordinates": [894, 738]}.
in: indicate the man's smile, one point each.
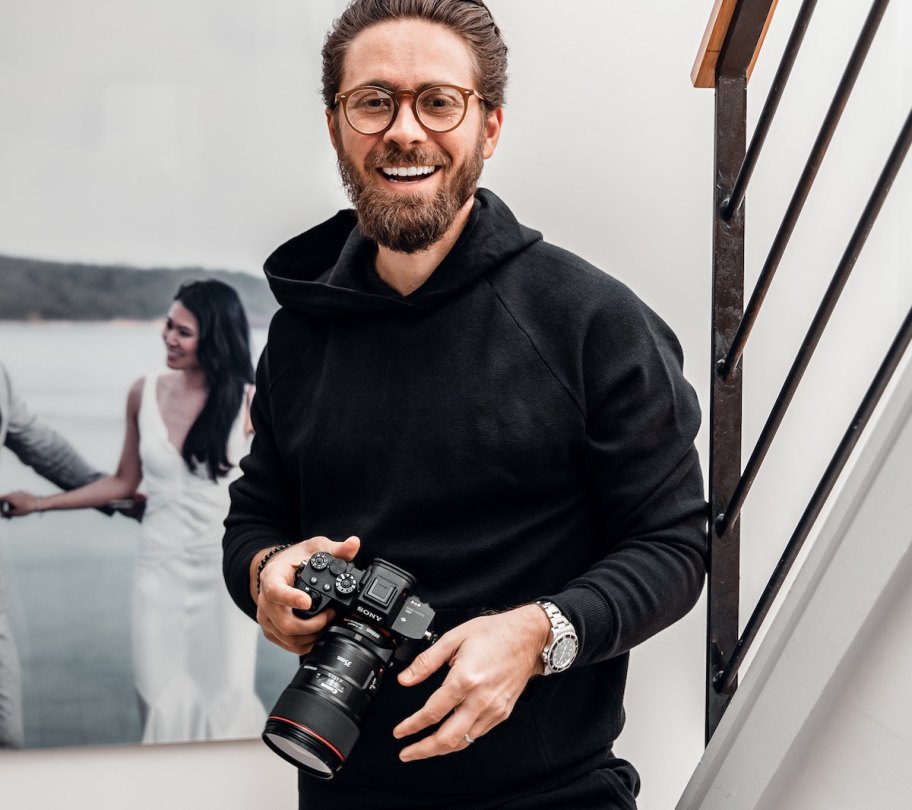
{"type": "Point", "coordinates": [400, 174]}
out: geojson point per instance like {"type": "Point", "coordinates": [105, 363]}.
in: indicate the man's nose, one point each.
{"type": "Point", "coordinates": [405, 129]}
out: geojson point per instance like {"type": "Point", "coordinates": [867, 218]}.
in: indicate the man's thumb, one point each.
{"type": "Point", "coordinates": [348, 548]}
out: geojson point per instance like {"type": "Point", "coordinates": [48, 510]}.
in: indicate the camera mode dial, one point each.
{"type": "Point", "coordinates": [346, 583]}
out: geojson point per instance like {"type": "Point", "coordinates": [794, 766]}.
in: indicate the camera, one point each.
{"type": "Point", "coordinates": [379, 623]}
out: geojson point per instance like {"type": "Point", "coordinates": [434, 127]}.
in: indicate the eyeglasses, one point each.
{"type": "Point", "coordinates": [371, 110]}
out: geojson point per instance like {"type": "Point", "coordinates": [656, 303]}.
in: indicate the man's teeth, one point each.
{"type": "Point", "coordinates": [406, 171]}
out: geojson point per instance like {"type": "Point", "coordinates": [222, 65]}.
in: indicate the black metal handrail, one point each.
{"type": "Point", "coordinates": [734, 167]}
{"type": "Point", "coordinates": [725, 678]}
{"type": "Point", "coordinates": [765, 121]}
{"type": "Point", "coordinates": [818, 325]}
{"type": "Point", "coordinates": [808, 176]}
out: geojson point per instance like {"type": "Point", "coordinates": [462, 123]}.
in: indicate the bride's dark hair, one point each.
{"type": "Point", "coordinates": [224, 356]}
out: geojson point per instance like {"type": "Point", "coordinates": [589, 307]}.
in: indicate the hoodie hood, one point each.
{"type": "Point", "coordinates": [329, 270]}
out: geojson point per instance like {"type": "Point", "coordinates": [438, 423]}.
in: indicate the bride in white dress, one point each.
{"type": "Point", "coordinates": [194, 653]}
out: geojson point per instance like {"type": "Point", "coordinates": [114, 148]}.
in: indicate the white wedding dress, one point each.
{"type": "Point", "coordinates": [194, 651]}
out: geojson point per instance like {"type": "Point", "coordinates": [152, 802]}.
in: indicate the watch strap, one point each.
{"type": "Point", "coordinates": [562, 630]}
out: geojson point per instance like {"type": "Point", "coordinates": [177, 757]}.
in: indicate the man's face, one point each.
{"type": "Point", "coordinates": [410, 213]}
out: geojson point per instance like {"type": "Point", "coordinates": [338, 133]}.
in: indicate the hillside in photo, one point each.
{"type": "Point", "coordinates": [32, 289]}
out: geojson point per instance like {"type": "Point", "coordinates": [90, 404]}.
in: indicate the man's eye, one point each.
{"type": "Point", "coordinates": [440, 104]}
{"type": "Point", "coordinates": [373, 105]}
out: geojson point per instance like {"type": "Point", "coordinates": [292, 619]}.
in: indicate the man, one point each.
{"type": "Point", "coordinates": [509, 424]}
{"type": "Point", "coordinates": [44, 449]}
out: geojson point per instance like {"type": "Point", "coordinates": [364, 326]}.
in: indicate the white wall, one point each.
{"type": "Point", "coordinates": [178, 777]}
{"type": "Point", "coordinates": [862, 743]}
{"type": "Point", "coordinates": [192, 133]}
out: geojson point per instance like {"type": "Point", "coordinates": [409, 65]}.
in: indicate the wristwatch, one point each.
{"type": "Point", "coordinates": [561, 650]}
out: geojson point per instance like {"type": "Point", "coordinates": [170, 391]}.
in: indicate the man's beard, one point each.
{"type": "Point", "coordinates": [409, 223]}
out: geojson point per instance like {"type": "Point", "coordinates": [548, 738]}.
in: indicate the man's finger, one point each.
{"type": "Point", "coordinates": [279, 592]}
{"type": "Point", "coordinates": [453, 735]}
{"type": "Point", "coordinates": [346, 550]}
{"type": "Point", "coordinates": [438, 706]}
{"type": "Point", "coordinates": [430, 660]}
{"type": "Point", "coordinates": [287, 637]}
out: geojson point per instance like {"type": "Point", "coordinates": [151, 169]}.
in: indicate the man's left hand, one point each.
{"type": "Point", "coordinates": [491, 660]}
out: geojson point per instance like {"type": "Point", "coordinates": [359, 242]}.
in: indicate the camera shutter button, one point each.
{"type": "Point", "coordinates": [337, 567]}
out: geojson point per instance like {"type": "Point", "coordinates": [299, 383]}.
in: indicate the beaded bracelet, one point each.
{"type": "Point", "coordinates": [266, 559]}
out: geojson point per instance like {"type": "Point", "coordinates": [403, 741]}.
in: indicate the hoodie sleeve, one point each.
{"type": "Point", "coordinates": [264, 502]}
{"type": "Point", "coordinates": [41, 447]}
{"type": "Point", "coordinates": [646, 485]}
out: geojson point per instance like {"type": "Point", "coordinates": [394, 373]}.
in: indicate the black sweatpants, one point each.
{"type": "Point", "coordinates": [610, 787]}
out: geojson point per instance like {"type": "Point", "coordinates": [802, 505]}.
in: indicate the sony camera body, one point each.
{"type": "Point", "coordinates": [379, 622]}
{"type": "Point", "coordinates": [379, 595]}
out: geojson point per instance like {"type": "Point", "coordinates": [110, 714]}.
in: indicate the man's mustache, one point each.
{"type": "Point", "coordinates": [398, 157]}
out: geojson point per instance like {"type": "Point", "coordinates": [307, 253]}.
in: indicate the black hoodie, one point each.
{"type": "Point", "coordinates": [518, 428]}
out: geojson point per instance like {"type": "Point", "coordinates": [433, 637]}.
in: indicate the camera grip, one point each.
{"type": "Point", "coordinates": [328, 581]}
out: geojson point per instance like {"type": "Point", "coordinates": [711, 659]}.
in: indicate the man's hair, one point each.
{"type": "Point", "coordinates": [470, 19]}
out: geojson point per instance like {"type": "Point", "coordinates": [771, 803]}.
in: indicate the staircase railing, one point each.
{"type": "Point", "coordinates": [730, 48]}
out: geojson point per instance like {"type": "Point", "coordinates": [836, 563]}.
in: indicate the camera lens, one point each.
{"type": "Point", "coordinates": [316, 720]}
{"type": "Point", "coordinates": [304, 746]}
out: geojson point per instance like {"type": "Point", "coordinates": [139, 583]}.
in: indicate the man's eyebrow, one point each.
{"type": "Point", "coordinates": [378, 83]}
{"type": "Point", "coordinates": [393, 88]}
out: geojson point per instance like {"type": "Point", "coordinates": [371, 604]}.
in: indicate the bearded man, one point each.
{"type": "Point", "coordinates": [445, 390]}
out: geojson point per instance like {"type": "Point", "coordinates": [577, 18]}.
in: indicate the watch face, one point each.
{"type": "Point", "coordinates": [563, 652]}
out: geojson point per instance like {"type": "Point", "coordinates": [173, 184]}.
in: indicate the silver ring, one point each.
{"type": "Point", "coordinates": [468, 739]}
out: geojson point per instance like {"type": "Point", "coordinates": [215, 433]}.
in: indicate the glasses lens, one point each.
{"type": "Point", "coordinates": [440, 108]}
{"type": "Point", "coordinates": [369, 110]}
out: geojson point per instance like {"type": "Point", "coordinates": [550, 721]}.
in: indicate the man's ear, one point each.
{"type": "Point", "coordinates": [493, 124]}
{"type": "Point", "coordinates": [331, 125]}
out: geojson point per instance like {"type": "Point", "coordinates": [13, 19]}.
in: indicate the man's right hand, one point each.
{"type": "Point", "coordinates": [278, 596]}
